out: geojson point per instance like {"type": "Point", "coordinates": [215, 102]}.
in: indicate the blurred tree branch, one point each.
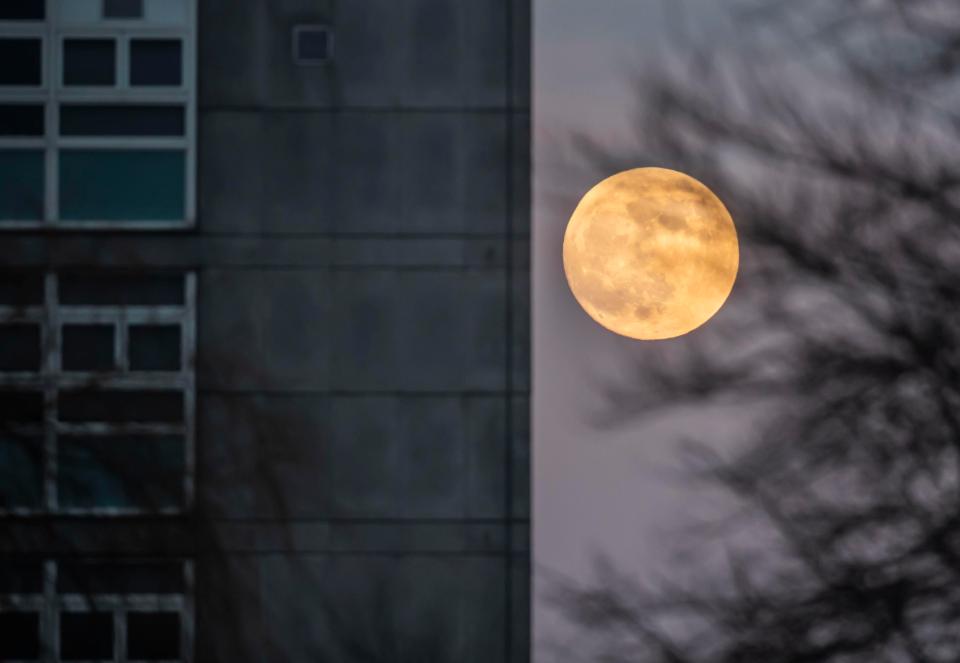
{"type": "Point", "coordinates": [840, 169]}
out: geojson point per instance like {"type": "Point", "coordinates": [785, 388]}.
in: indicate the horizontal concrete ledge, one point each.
{"type": "Point", "coordinates": [253, 252]}
{"type": "Point", "coordinates": [505, 109]}
{"type": "Point", "coordinates": [185, 538]}
{"type": "Point", "coordinates": [385, 538]}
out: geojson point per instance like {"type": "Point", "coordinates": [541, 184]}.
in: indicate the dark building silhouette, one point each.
{"type": "Point", "coordinates": [264, 336]}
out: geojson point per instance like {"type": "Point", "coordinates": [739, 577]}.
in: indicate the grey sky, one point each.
{"type": "Point", "coordinates": [595, 490]}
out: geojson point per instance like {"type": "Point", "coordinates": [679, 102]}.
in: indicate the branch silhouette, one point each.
{"type": "Point", "coordinates": [840, 171]}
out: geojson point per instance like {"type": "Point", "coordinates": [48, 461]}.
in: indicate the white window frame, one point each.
{"type": "Point", "coordinates": [51, 93]}
{"type": "Point", "coordinates": [51, 379]}
{"type": "Point", "coordinates": [50, 603]}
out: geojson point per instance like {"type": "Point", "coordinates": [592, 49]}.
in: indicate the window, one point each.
{"type": "Point", "coordinates": [123, 8]}
{"type": "Point", "coordinates": [22, 61]}
{"type": "Point", "coordinates": [97, 114]}
{"type": "Point", "coordinates": [156, 62]}
{"type": "Point", "coordinates": [89, 62]}
{"type": "Point", "coordinates": [96, 610]}
{"type": "Point", "coordinates": [312, 44]}
{"type": "Point", "coordinates": [22, 10]}
{"type": "Point", "coordinates": [96, 393]}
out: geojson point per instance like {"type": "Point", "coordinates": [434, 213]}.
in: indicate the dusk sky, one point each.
{"type": "Point", "coordinates": [596, 489]}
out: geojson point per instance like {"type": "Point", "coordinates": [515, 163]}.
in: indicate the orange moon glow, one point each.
{"type": "Point", "coordinates": [651, 253]}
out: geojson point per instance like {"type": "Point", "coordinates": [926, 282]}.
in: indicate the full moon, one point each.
{"type": "Point", "coordinates": [650, 253]}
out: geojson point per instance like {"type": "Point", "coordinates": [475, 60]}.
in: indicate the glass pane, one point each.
{"type": "Point", "coordinates": [21, 58]}
{"type": "Point", "coordinates": [21, 289]}
{"type": "Point", "coordinates": [88, 348]}
{"type": "Point", "coordinates": [89, 61]}
{"type": "Point", "coordinates": [153, 636]}
{"type": "Point", "coordinates": [86, 636]}
{"type": "Point", "coordinates": [21, 10]}
{"type": "Point", "coordinates": [122, 185]}
{"type": "Point", "coordinates": [19, 636]}
{"type": "Point", "coordinates": [155, 348]}
{"type": "Point", "coordinates": [120, 577]}
{"type": "Point", "coordinates": [155, 62]}
{"type": "Point", "coordinates": [121, 290]}
{"type": "Point", "coordinates": [21, 120]}
{"type": "Point", "coordinates": [21, 577]}
{"type": "Point", "coordinates": [21, 185]}
{"type": "Point", "coordinates": [313, 44]}
{"type": "Point", "coordinates": [90, 120]}
{"type": "Point", "coordinates": [21, 407]}
{"type": "Point", "coordinates": [121, 471]}
{"type": "Point", "coordinates": [121, 406]}
{"type": "Point", "coordinates": [19, 347]}
{"type": "Point", "coordinates": [123, 8]}
{"type": "Point", "coordinates": [21, 470]}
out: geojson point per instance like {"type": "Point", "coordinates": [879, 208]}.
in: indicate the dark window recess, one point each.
{"type": "Point", "coordinates": [123, 8]}
{"type": "Point", "coordinates": [156, 62]}
{"type": "Point", "coordinates": [86, 636]}
{"type": "Point", "coordinates": [312, 44]}
{"type": "Point", "coordinates": [121, 471]}
{"type": "Point", "coordinates": [88, 120]}
{"type": "Point", "coordinates": [155, 348]}
{"type": "Point", "coordinates": [89, 61]}
{"type": "Point", "coordinates": [153, 636]}
{"type": "Point", "coordinates": [19, 347]}
{"type": "Point", "coordinates": [21, 407]}
{"type": "Point", "coordinates": [88, 348]}
{"type": "Point", "coordinates": [19, 636]}
{"type": "Point", "coordinates": [21, 120]}
{"type": "Point", "coordinates": [20, 577]}
{"type": "Point", "coordinates": [21, 60]}
{"type": "Point", "coordinates": [121, 290]}
{"type": "Point", "coordinates": [22, 10]}
{"type": "Point", "coordinates": [21, 289]}
{"type": "Point", "coordinates": [21, 470]}
{"type": "Point", "coordinates": [21, 184]}
{"type": "Point", "coordinates": [120, 577]}
{"type": "Point", "coordinates": [121, 406]}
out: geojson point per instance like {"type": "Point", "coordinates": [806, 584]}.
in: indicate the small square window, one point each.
{"type": "Point", "coordinates": [22, 61]}
{"type": "Point", "coordinates": [89, 62]}
{"type": "Point", "coordinates": [22, 10]}
{"type": "Point", "coordinates": [153, 636]}
{"type": "Point", "coordinates": [19, 636]}
{"type": "Point", "coordinates": [155, 348]}
{"type": "Point", "coordinates": [88, 348]}
{"type": "Point", "coordinates": [123, 8]}
{"type": "Point", "coordinates": [21, 120]}
{"type": "Point", "coordinates": [21, 407]}
{"type": "Point", "coordinates": [86, 636]}
{"type": "Point", "coordinates": [312, 44]}
{"type": "Point", "coordinates": [156, 62]}
{"type": "Point", "coordinates": [19, 348]}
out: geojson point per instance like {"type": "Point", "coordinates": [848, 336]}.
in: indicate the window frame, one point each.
{"type": "Point", "coordinates": [51, 379]}
{"type": "Point", "coordinates": [50, 604]}
{"type": "Point", "coordinates": [51, 93]}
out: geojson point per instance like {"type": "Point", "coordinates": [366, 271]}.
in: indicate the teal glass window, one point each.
{"type": "Point", "coordinates": [21, 185]}
{"type": "Point", "coordinates": [121, 471]}
{"type": "Point", "coordinates": [21, 470]}
{"type": "Point", "coordinates": [122, 185]}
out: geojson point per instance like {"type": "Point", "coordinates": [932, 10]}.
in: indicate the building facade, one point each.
{"type": "Point", "coordinates": [264, 330]}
